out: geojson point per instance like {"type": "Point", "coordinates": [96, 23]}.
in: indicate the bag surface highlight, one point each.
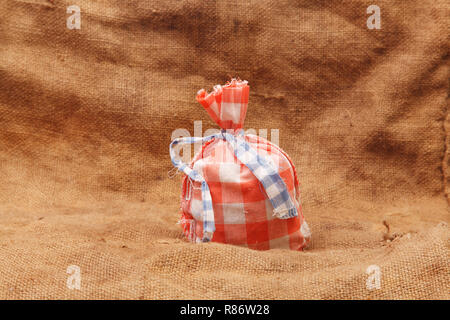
{"type": "Point", "coordinates": [239, 188]}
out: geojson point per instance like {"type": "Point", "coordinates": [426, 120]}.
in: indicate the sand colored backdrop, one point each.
{"type": "Point", "coordinates": [86, 118]}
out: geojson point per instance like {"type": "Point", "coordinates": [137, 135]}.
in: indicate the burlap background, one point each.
{"type": "Point", "coordinates": [86, 120]}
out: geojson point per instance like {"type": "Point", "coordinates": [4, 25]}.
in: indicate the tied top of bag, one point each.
{"type": "Point", "coordinates": [226, 105]}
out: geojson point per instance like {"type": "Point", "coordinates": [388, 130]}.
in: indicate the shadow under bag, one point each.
{"type": "Point", "coordinates": [239, 189]}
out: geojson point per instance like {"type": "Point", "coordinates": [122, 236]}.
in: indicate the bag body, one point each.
{"type": "Point", "coordinates": [244, 176]}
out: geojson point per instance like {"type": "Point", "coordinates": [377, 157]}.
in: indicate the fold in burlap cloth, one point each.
{"type": "Point", "coordinates": [86, 117]}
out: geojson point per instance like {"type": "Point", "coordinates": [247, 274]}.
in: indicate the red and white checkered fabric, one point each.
{"type": "Point", "coordinates": [242, 211]}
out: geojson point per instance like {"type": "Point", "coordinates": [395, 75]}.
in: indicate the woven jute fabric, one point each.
{"type": "Point", "coordinates": [87, 116]}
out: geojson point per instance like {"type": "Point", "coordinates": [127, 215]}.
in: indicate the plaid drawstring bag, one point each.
{"type": "Point", "coordinates": [239, 188]}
